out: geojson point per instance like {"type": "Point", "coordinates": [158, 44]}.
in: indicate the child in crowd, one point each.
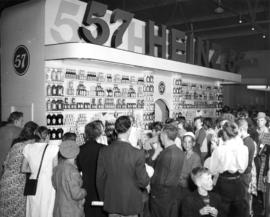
{"type": "Point", "coordinates": [202, 202]}
{"type": "Point", "coordinates": [67, 182]}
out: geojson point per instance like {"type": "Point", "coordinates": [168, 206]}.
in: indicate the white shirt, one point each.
{"type": "Point", "coordinates": [232, 156]}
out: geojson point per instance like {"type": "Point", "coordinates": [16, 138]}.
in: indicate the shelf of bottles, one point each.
{"type": "Point", "coordinates": [73, 93]}
{"type": "Point", "coordinates": [201, 99]}
{"type": "Point", "coordinates": [149, 107]}
{"type": "Point", "coordinates": [177, 96]}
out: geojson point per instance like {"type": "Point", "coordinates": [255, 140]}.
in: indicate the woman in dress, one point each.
{"type": "Point", "coordinates": [41, 204]}
{"type": "Point", "coordinates": [12, 200]}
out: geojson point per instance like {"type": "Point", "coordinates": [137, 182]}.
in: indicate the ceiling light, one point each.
{"type": "Point", "coordinates": [219, 9]}
{"type": "Point", "coordinates": [258, 87]}
{"type": "Point", "coordinates": [252, 28]}
{"type": "Point", "coordinates": [240, 20]}
{"type": "Point", "coordinates": [263, 36]}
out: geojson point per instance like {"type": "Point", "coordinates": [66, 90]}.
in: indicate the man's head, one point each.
{"type": "Point", "coordinates": [198, 122]}
{"type": "Point", "coordinates": [168, 134]}
{"type": "Point", "coordinates": [261, 119]}
{"type": "Point", "coordinates": [123, 125]}
{"type": "Point", "coordinates": [181, 122]}
{"type": "Point", "coordinates": [156, 128]}
{"type": "Point", "coordinates": [16, 118]}
{"type": "Point", "coordinates": [202, 178]}
{"type": "Point", "coordinates": [188, 141]}
{"type": "Point", "coordinates": [243, 126]}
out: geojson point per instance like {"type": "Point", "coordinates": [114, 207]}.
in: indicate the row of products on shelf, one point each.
{"type": "Point", "coordinates": [177, 82]}
{"type": "Point", "coordinates": [55, 119]}
{"type": "Point", "coordinates": [56, 133]}
{"type": "Point", "coordinates": [54, 74]}
{"type": "Point", "coordinates": [101, 77]}
{"type": "Point", "coordinates": [55, 90]}
{"type": "Point", "coordinates": [200, 87]}
{"type": "Point", "coordinates": [201, 105]}
{"type": "Point", "coordinates": [106, 103]}
{"type": "Point", "coordinates": [149, 79]}
{"type": "Point", "coordinates": [149, 116]}
{"type": "Point", "coordinates": [100, 91]}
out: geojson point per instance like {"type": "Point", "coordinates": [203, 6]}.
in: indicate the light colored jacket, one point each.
{"type": "Point", "coordinates": [70, 195]}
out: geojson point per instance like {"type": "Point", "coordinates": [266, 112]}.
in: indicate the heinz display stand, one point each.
{"type": "Point", "coordinates": [59, 80]}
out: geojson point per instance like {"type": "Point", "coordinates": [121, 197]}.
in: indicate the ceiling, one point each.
{"type": "Point", "coordinates": [199, 17]}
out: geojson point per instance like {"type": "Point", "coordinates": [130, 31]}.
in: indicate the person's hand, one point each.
{"type": "Point", "coordinates": [205, 210]}
{"type": "Point", "coordinates": [213, 211]}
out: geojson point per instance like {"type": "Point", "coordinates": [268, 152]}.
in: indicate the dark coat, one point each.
{"type": "Point", "coordinates": [194, 202]}
{"type": "Point", "coordinates": [121, 175]}
{"type": "Point", "coordinates": [87, 164]}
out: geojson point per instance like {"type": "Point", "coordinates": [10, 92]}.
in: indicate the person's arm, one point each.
{"type": "Point", "coordinates": [101, 175]}
{"type": "Point", "coordinates": [214, 162]}
{"type": "Point", "coordinates": [74, 183]}
{"type": "Point", "coordinates": [25, 167]}
{"type": "Point", "coordinates": [142, 177]}
{"type": "Point", "coordinates": [242, 158]}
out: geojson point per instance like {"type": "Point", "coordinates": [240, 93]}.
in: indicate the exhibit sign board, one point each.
{"type": "Point", "coordinates": [77, 21]}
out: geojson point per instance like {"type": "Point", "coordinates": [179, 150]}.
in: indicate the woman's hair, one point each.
{"type": "Point", "coordinates": [229, 130]}
{"type": "Point", "coordinates": [69, 136]}
{"type": "Point", "coordinates": [41, 133]}
{"type": "Point", "coordinates": [93, 130]}
{"type": "Point", "coordinates": [27, 133]}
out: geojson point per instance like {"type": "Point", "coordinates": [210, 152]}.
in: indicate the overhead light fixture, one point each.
{"type": "Point", "coordinates": [219, 9]}
{"type": "Point", "coordinates": [259, 87]}
{"type": "Point", "coordinates": [252, 28]}
{"type": "Point", "coordinates": [263, 36]}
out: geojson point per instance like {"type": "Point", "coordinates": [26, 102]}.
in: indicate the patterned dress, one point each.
{"type": "Point", "coordinates": [12, 201]}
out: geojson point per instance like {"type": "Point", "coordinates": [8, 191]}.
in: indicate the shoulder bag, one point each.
{"type": "Point", "coordinates": [30, 187]}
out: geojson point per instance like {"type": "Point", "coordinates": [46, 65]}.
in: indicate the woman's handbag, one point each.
{"type": "Point", "coordinates": [30, 187]}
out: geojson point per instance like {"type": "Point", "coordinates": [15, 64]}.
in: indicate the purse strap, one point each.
{"type": "Point", "coordinates": [41, 160]}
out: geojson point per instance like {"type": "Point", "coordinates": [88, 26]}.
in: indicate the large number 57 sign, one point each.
{"type": "Point", "coordinates": [93, 14]}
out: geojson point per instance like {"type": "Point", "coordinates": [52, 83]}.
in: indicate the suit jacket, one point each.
{"type": "Point", "coordinates": [7, 134]}
{"type": "Point", "coordinates": [194, 202]}
{"type": "Point", "coordinates": [87, 164]}
{"type": "Point", "coordinates": [69, 192]}
{"type": "Point", "coordinates": [121, 175]}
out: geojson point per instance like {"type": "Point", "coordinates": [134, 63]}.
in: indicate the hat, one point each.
{"type": "Point", "coordinates": [261, 115]}
{"type": "Point", "coordinates": [69, 149]}
{"type": "Point", "coordinates": [189, 134]}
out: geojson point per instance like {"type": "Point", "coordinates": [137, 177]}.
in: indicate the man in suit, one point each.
{"type": "Point", "coordinates": [202, 202]}
{"type": "Point", "coordinates": [166, 192]}
{"type": "Point", "coordinates": [87, 164]}
{"type": "Point", "coordinates": [8, 133]}
{"type": "Point", "coordinates": [200, 137]}
{"type": "Point", "coordinates": [121, 174]}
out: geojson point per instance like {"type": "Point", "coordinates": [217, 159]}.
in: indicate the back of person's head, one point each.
{"type": "Point", "coordinates": [14, 116]}
{"type": "Point", "coordinates": [27, 133]}
{"type": "Point", "coordinates": [197, 173]}
{"type": "Point", "coordinates": [93, 130]}
{"type": "Point", "coordinates": [69, 136]}
{"type": "Point", "coordinates": [230, 130]}
{"type": "Point", "coordinates": [41, 133]}
{"type": "Point", "coordinates": [156, 126]}
{"type": "Point", "coordinates": [171, 131]}
{"type": "Point", "coordinates": [242, 123]}
{"type": "Point", "coordinates": [122, 124]}
{"type": "Point", "coordinates": [181, 120]}
{"type": "Point", "coordinates": [171, 121]}
{"type": "Point", "coordinates": [208, 123]}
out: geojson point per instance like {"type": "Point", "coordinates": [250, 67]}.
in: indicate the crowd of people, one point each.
{"type": "Point", "coordinates": [210, 167]}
